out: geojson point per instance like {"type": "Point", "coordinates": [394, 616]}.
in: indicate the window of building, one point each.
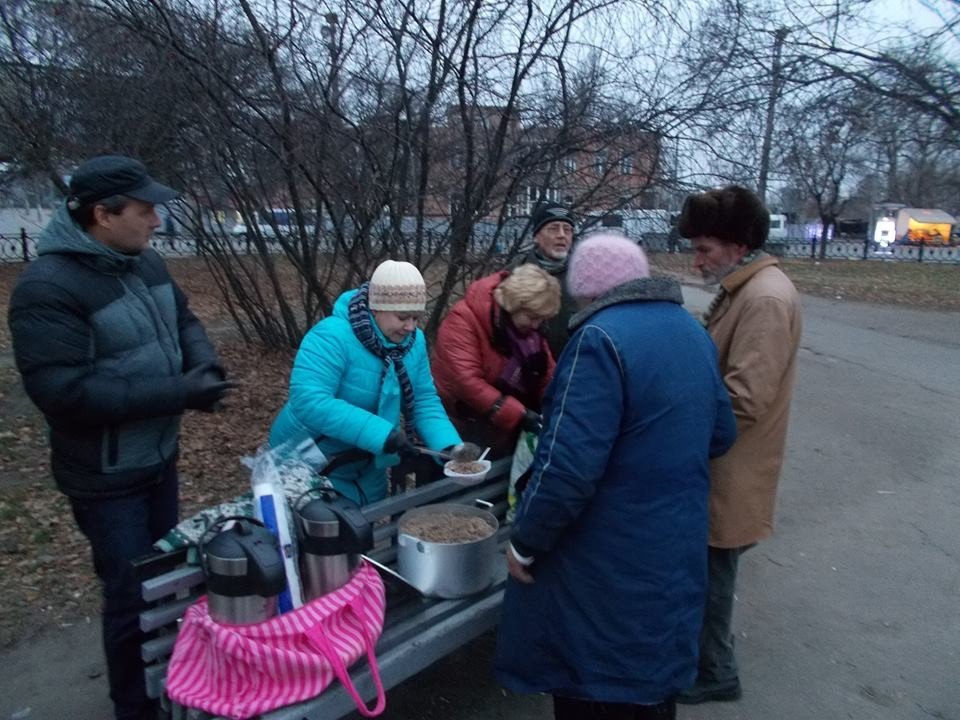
{"type": "Point", "coordinates": [600, 162]}
{"type": "Point", "coordinates": [626, 165]}
{"type": "Point", "coordinates": [524, 202]}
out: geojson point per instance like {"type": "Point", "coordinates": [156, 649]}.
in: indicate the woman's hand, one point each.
{"type": "Point", "coordinates": [532, 422]}
{"type": "Point", "coordinates": [398, 442]}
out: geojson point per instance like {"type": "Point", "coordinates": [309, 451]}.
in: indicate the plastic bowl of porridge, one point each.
{"type": "Point", "coordinates": [467, 472]}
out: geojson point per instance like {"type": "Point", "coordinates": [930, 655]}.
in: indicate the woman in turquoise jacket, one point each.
{"type": "Point", "coordinates": [357, 372]}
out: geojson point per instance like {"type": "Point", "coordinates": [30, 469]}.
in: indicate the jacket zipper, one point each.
{"type": "Point", "coordinates": [113, 446]}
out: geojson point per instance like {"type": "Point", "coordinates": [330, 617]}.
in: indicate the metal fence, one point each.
{"type": "Point", "coordinates": [23, 247]}
{"type": "Point", "coordinates": [860, 250]}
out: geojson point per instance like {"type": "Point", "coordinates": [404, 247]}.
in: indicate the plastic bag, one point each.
{"type": "Point", "coordinates": [519, 470]}
{"type": "Point", "coordinates": [270, 506]}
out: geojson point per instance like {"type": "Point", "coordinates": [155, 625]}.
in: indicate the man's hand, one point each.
{"type": "Point", "coordinates": [398, 442]}
{"type": "Point", "coordinates": [518, 570]}
{"type": "Point", "coordinates": [205, 387]}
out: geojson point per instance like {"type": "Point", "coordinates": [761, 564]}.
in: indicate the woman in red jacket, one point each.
{"type": "Point", "coordinates": [491, 364]}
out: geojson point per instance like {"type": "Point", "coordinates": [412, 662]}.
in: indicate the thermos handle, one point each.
{"type": "Point", "coordinates": [215, 526]}
{"type": "Point", "coordinates": [354, 525]}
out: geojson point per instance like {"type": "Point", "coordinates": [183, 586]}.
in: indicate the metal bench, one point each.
{"type": "Point", "coordinates": [417, 631]}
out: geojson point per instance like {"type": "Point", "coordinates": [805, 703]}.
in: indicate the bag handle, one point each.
{"type": "Point", "coordinates": [319, 641]}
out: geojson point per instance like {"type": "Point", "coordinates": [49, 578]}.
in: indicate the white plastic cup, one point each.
{"type": "Point", "coordinates": [467, 478]}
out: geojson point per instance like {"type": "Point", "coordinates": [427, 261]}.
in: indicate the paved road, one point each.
{"type": "Point", "coordinates": [853, 609]}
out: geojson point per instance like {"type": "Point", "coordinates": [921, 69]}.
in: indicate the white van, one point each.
{"type": "Point", "coordinates": [283, 219]}
{"type": "Point", "coordinates": [778, 228]}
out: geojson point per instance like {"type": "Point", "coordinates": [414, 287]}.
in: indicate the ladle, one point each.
{"type": "Point", "coordinates": [392, 573]}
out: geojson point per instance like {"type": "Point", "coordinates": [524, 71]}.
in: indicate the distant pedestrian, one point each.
{"type": "Point", "coordinates": [112, 355]}
{"type": "Point", "coordinates": [491, 362]}
{"type": "Point", "coordinates": [755, 321]}
{"type": "Point", "coordinates": [552, 226]}
{"type": "Point", "coordinates": [673, 239]}
{"type": "Point", "coordinates": [607, 569]}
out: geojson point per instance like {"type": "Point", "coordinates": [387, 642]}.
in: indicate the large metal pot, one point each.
{"type": "Point", "coordinates": [447, 570]}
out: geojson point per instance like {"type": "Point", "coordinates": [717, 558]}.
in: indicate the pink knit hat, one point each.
{"type": "Point", "coordinates": [603, 261]}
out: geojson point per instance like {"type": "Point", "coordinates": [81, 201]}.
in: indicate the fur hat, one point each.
{"type": "Point", "coordinates": [548, 212]}
{"type": "Point", "coordinates": [603, 261]}
{"type": "Point", "coordinates": [397, 286]}
{"type": "Point", "coordinates": [731, 214]}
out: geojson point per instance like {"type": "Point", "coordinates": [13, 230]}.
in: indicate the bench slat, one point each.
{"type": "Point", "coordinates": [432, 492]}
{"type": "Point", "coordinates": [157, 617]}
{"type": "Point", "coordinates": [171, 582]}
{"type": "Point", "coordinates": [157, 648]}
{"type": "Point", "coordinates": [155, 677]}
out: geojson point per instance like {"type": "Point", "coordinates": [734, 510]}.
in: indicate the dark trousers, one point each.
{"type": "Point", "coordinates": [121, 530]}
{"type": "Point", "coordinates": [718, 665]}
{"type": "Point", "coordinates": [565, 708]}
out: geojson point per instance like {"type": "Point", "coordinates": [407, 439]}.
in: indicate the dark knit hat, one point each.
{"type": "Point", "coordinates": [732, 214]}
{"type": "Point", "coordinates": [548, 212]}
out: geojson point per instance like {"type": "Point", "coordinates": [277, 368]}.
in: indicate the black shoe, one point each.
{"type": "Point", "coordinates": [701, 692]}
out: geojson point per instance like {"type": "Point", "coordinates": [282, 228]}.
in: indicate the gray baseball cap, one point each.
{"type": "Point", "coordinates": [107, 175]}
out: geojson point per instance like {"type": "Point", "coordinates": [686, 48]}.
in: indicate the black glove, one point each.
{"type": "Point", "coordinates": [205, 387]}
{"type": "Point", "coordinates": [398, 442]}
{"type": "Point", "coordinates": [531, 421]}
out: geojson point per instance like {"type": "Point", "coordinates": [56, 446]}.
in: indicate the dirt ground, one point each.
{"type": "Point", "coordinates": [44, 561]}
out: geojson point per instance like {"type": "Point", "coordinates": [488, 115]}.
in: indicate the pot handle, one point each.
{"type": "Point", "coordinates": [403, 540]}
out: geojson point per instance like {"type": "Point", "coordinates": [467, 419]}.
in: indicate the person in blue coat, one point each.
{"type": "Point", "coordinates": [608, 571]}
{"type": "Point", "coordinates": [356, 373]}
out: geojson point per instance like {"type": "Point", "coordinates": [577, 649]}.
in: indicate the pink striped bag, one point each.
{"type": "Point", "coordinates": [240, 671]}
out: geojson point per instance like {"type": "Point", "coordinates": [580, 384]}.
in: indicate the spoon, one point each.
{"type": "Point", "coordinates": [435, 453]}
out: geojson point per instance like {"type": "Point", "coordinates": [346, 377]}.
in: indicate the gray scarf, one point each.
{"type": "Point", "coordinates": [722, 293]}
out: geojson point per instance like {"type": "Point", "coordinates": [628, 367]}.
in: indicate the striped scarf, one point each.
{"type": "Point", "coordinates": [362, 323]}
{"type": "Point", "coordinates": [722, 293]}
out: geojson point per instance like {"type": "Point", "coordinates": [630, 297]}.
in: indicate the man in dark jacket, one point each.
{"type": "Point", "coordinates": [608, 574]}
{"type": "Point", "coordinates": [110, 353]}
{"type": "Point", "coordinates": [552, 227]}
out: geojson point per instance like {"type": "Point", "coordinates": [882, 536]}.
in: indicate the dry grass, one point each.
{"type": "Point", "coordinates": [923, 285]}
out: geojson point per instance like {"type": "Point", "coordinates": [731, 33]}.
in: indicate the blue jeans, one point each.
{"type": "Point", "coordinates": [120, 530]}
{"type": "Point", "coordinates": [718, 665]}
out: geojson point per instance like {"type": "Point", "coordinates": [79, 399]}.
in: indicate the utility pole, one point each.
{"type": "Point", "coordinates": [775, 85]}
{"type": "Point", "coordinates": [331, 34]}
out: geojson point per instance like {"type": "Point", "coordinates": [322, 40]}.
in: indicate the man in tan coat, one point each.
{"type": "Point", "coordinates": [755, 321]}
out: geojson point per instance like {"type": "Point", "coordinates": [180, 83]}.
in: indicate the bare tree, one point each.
{"type": "Point", "coordinates": [919, 71]}
{"type": "Point", "coordinates": [381, 132]}
{"type": "Point", "coordinates": [823, 141]}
